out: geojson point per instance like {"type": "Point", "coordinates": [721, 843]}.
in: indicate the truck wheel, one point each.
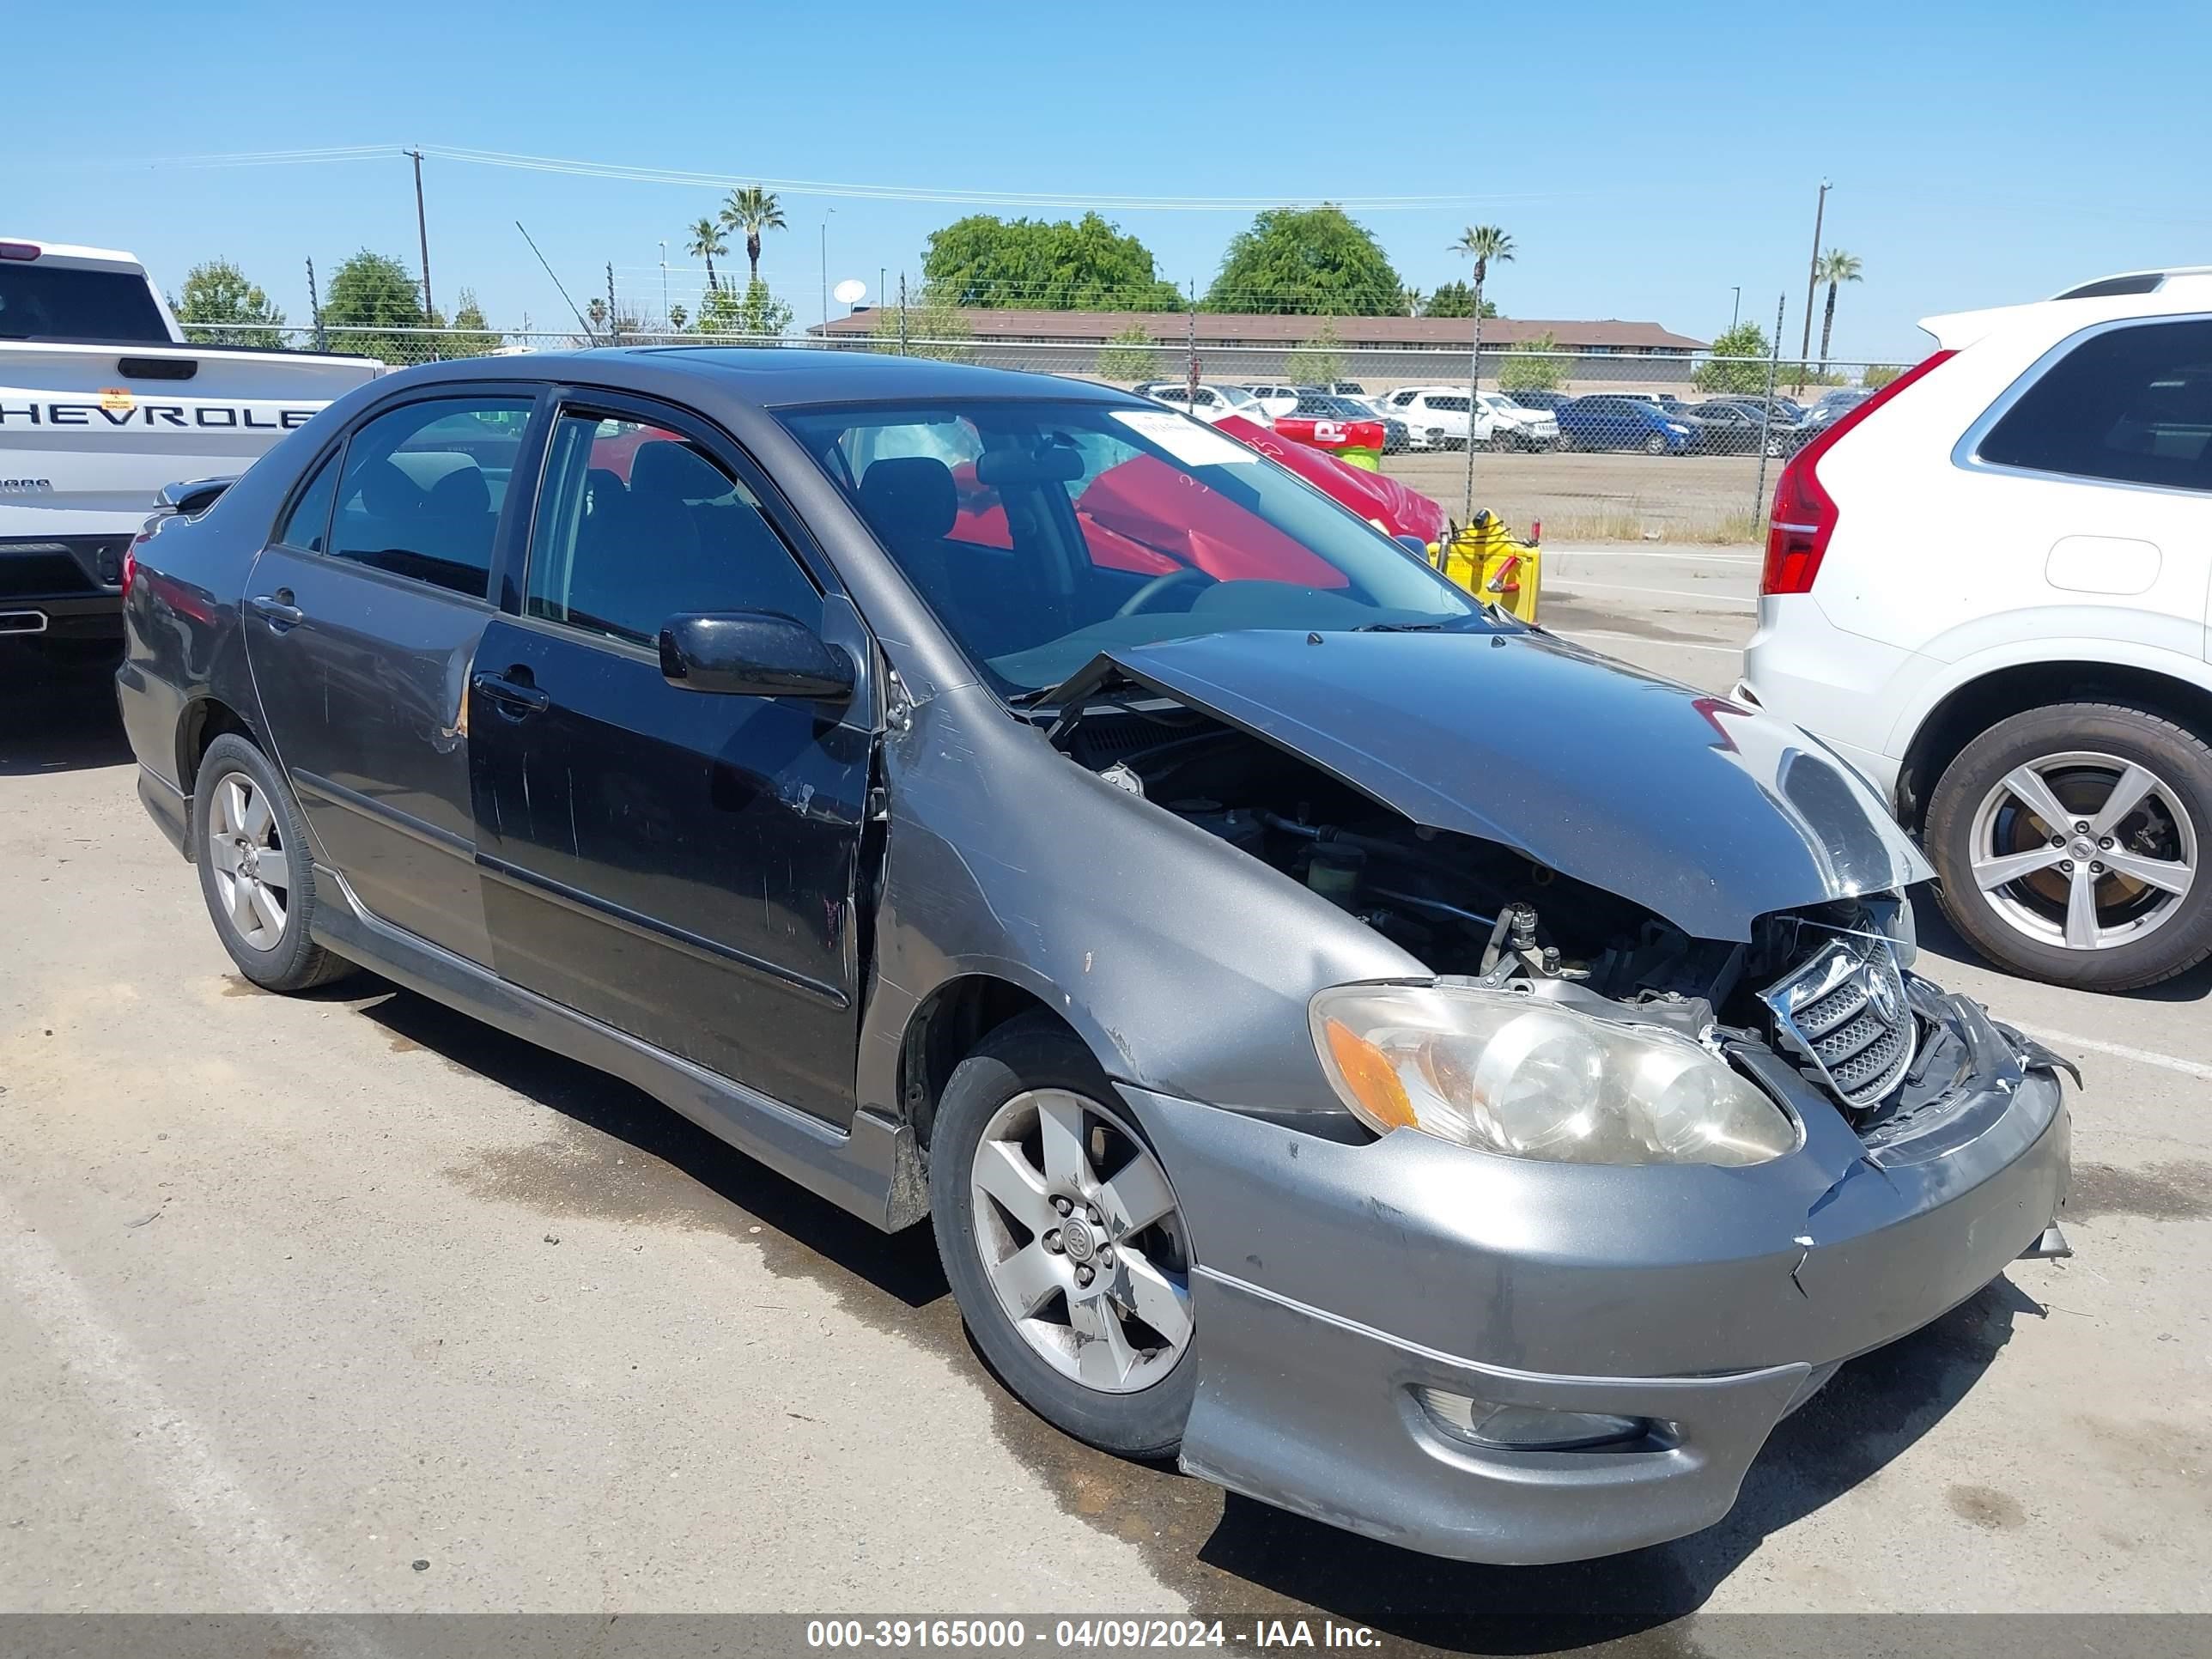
{"type": "Point", "coordinates": [2070, 841]}
{"type": "Point", "coordinates": [255, 871]}
{"type": "Point", "coordinates": [1062, 1241]}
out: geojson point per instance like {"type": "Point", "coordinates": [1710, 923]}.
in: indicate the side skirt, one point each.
{"type": "Point", "coordinates": [874, 1170]}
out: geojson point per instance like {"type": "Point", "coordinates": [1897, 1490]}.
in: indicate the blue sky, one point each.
{"type": "Point", "coordinates": [1646, 158]}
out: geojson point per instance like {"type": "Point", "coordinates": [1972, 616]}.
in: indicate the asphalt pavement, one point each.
{"type": "Point", "coordinates": [344, 1303]}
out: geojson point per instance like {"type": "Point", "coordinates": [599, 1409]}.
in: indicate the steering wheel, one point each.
{"type": "Point", "coordinates": [1142, 598]}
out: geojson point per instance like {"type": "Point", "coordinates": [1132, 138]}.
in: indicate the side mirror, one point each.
{"type": "Point", "coordinates": [753, 654]}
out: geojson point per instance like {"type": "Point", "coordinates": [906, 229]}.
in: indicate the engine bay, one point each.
{"type": "Point", "coordinates": [1473, 910]}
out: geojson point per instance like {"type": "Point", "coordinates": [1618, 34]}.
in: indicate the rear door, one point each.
{"type": "Point", "coordinates": [680, 865]}
{"type": "Point", "coordinates": [361, 619]}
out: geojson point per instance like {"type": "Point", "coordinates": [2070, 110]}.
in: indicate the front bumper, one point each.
{"type": "Point", "coordinates": [1334, 1280]}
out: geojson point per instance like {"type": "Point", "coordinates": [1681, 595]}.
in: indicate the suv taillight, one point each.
{"type": "Point", "coordinates": [1804, 514]}
{"type": "Point", "coordinates": [131, 563]}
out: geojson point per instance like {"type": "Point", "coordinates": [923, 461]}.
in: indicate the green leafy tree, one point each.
{"type": "Point", "coordinates": [216, 291]}
{"type": "Point", "coordinates": [707, 243]}
{"type": "Point", "coordinates": [676, 318]}
{"type": "Point", "coordinates": [931, 325]}
{"type": "Point", "coordinates": [755, 313]}
{"type": "Point", "coordinates": [1129, 356]}
{"type": "Point", "coordinates": [1308, 261]}
{"type": "Point", "coordinates": [470, 336]}
{"type": "Point", "coordinates": [1455, 300]}
{"type": "Point", "coordinates": [1088, 264]}
{"type": "Point", "coordinates": [1319, 361]}
{"type": "Point", "coordinates": [372, 294]}
{"type": "Point", "coordinates": [747, 212]}
{"type": "Point", "coordinates": [1878, 375]}
{"type": "Point", "coordinates": [1835, 268]}
{"type": "Point", "coordinates": [1532, 365]}
{"type": "Point", "coordinates": [1738, 363]}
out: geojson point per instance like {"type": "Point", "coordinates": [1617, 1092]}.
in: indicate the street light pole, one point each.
{"type": "Point", "coordinates": [663, 285]}
{"type": "Point", "coordinates": [1735, 311]}
{"type": "Point", "coordinates": [1812, 282]}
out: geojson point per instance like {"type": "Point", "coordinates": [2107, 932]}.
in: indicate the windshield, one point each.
{"type": "Point", "coordinates": [1042, 533]}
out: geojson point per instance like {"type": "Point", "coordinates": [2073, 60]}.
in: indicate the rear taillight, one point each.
{"type": "Point", "coordinates": [131, 563]}
{"type": "Point", "coordinates": [1804, 517]}
{"type": "Point", "coordinates": [19, 250]}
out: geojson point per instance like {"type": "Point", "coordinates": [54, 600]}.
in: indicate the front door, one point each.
{"type": "Point", "coordinates": [361, 619]}
{"type": "Point", "coordinates": [678, 864]}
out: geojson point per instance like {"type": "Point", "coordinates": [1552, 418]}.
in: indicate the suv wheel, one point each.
{"type": "Point", "coordinates": [255, 871]}
{"type": "Point", "coordinates": [2070, 842]}
{"type": "Point", "coordinates": [1062, 1241]}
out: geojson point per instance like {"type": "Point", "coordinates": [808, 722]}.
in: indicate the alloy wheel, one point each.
{"type": "Point", "coordinates": [245, 850]}
{"type": "Point", "coordinates": [2083, 850]}
{"type": "Point", "coordinates": [1081, 1240]}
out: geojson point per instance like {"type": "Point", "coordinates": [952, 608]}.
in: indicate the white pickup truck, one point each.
{"type": "Point", "coordinates": [103, 403]}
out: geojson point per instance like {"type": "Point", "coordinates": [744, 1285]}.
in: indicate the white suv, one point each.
{"type": "Point", "coordinates": [1988, 587]}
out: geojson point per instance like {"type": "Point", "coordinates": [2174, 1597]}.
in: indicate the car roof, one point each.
{"type": "Point", "coordinates": [770, 377]}
{"type": "Point", "coordinates": [2176, 290]}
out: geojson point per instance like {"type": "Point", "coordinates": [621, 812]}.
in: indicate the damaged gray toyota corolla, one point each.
{"type": "Point", "coordinates": [1410, 1068]}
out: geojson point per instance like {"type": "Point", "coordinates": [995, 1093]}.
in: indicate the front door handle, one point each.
{"type": "Point", "coordinates": [515, 700]}
{"type": "Point", "coordinates": [277, 609]}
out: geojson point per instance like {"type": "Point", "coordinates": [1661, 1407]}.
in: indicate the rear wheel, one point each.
{"type": "Point", "coordinates": [1655, 444]}
{"type": "Point", "coordinates": [255, 873]}
{"type": "Point", "coordinates": [1063, 1241]}
{"type": "Point", "coordinates": [2070, 841]}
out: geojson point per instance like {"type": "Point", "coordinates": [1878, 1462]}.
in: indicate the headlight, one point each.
{"type": "Point", "coordinates": [1504, 1071]}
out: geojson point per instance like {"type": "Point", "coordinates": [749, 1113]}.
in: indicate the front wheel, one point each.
{"type": "Point", "coordinates": [2069, 840]}
{"type": "Point", "coordinates": [1655, 444]}
{"type": "Point", "coordinates": [1063, 1241]}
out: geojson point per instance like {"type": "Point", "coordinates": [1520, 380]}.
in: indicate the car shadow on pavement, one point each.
{"type": "Point", "coordinates": [1876, 1406]}
{"type": "Point", "coordinates": [56, 715]}
{"type": "Point", "coordinates": [1938, 938]}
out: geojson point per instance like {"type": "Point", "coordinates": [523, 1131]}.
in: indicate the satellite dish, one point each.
{"type": "Point", "coordinates": [850, 292]}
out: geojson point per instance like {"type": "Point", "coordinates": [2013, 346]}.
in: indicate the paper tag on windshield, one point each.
{"type": "Point", "coordinates": [1189, 441]}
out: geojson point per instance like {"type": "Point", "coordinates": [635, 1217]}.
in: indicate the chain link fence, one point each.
{"type": "Point", "coordinates": [1675, 445]}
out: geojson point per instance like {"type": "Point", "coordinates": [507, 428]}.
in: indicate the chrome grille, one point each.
{"type": "Point", "coordinates": [1844, 1010]}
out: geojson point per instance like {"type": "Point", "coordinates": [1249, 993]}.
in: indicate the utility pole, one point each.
{"type": "Point", "coordinates": [1812, 282]}
{"type": "Point", "coordinates": [663, 285]}
{"type": "Point", "coordinates": [825, 273]}
{"type": "Point", "coordinates": [315, 305]}
{"type": "Point", "coordinates": [1767, 410]}
{"type": "Point", "coordinates": [422, 233]}
{"type": "Point", "coordinates": [1736, 310]}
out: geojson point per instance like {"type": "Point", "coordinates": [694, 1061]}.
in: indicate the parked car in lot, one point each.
{"type": "Point", "coordinates": [1606, 422]}
{"type": "Point", "coordinates": [998, 798]}
{"type": "Point", "coordinates": [1986, 587]}
{"type": "Point", "coordinates": [1720, 427]}
{"type": "Point", "coordinates": [1663, 400]}
{"type": "Point", "coordinates": [103, 403]}
{"type": "Point", "coordinates": [1512, 427]}
{"type": "Point", "coordinates": [1315, 404]}
{"type": "Point", "coordinates": [1436, 417]}
{"type": "Point", "coordinates": [1275, 398]}
{"type": "Point", "coordinates": [1210, 405]}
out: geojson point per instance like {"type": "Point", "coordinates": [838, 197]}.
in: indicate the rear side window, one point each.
{"type": "Point", "coordinates": [55, 302]}
{"type": "Point", "coordinates": [307, 526]}
{"type": "Point", "coordinates": [421, 493]}
{"type": "Point", "coordinates": [2133, 405]}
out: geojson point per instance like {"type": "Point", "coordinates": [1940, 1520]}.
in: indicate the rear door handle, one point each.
{"type": "Point", "coordinates": [514, 701]}
{"type": "Point", "coordinates": [277, 609]}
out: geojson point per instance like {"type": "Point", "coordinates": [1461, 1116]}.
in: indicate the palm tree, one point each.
{"type": "Point", "coordinates": [752, 211]}
{"type": "Point", "coordinates": [1411, 298]}
{"type": "Point", "coordinates": [1835, 269]}
{"type": "Point", "coordinates": [1482, 244]}
{"type": "Point", "coordinates": [705, 242]}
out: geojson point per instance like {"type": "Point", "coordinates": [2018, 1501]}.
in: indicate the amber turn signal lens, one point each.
{"type": "Point", "coordinates": [1367, 1072]}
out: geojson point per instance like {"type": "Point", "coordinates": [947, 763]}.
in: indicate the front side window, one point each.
{"type": "Point", "coordinates": [421, 488]}
{"type": "Point", "coordinates": [636, 524]}
{"type": "Point", "coordinates": [1042, 532]}
{"type": "Point", "coordinates": [2132, 404]}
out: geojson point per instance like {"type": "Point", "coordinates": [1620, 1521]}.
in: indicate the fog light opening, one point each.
{"type": "Point", "coordinates": [1526, 1428]}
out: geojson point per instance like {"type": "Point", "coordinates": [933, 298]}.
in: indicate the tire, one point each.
{"type": "Point", "coordinates": [1034, 1058]}
{"type": "Point", "coordinates": [2079, 754]}
{"type": "Point", "coordinates": [242, 812]}
{"type": "Point", "coordinates": [1655, 444]}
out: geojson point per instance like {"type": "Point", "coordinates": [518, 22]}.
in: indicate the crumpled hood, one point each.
{"type": "Point", "coordinates": [1703, 810]}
